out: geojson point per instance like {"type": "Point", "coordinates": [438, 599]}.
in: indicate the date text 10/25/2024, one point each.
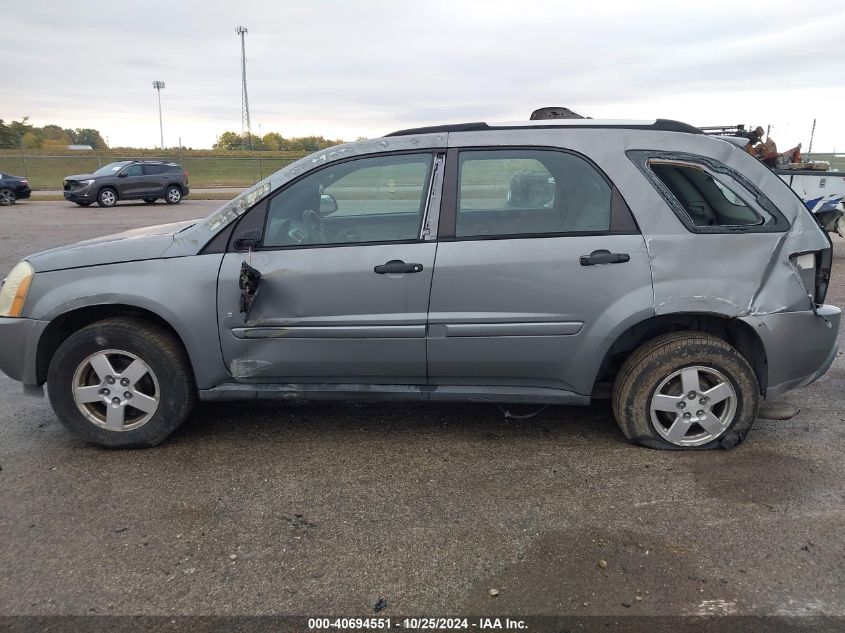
{"type": "Point", "coordinates": [423, 623]}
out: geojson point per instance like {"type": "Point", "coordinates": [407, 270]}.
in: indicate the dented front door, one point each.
{"type": "Point", "coordinates": [337, 288]}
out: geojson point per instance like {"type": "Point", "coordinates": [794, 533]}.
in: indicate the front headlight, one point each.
{"type": "Point", "coordinates": [86, 183]}
{"type": "Point", "coordinates": [15, 287]}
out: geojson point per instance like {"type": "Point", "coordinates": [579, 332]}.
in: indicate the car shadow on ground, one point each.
{"type": "Point", "coordinates": [287, 421]}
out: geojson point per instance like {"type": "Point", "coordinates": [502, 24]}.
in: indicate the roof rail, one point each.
{"type": "Point", "coordinates": [661, 125]}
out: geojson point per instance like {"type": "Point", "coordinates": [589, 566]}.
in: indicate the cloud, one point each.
{"type": "Point", "coordinates": [348, 69]}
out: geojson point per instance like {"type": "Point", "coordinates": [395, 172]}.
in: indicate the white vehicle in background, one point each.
{"type": "Point", "coordinates": [823, 193]}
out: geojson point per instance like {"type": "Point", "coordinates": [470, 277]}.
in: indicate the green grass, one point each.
{"type": "Point", "coordinates": [206, 168]}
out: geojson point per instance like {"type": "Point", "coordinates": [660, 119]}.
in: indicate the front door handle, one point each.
{"type": "Point", "coordinates": [603, 256]}
{"type": "Point", "coordinates": [396, 266]}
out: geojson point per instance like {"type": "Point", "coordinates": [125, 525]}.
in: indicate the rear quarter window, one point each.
{"type": "Point", "coordinates": [706, 200]}
{"type": "Point", "coordinates": [706, 195]}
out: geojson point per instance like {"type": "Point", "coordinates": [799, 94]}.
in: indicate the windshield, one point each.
{"type": "Point", "coordinates": [111, 168]}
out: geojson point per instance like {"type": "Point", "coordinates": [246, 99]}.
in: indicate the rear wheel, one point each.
{"type": "Point", "coordinates": [150, 200]}
{"type": "Point", "coordinates": [686, 390]}
{"type": "Point", "coordinates": [107, 197]}
{"type": "Point", "coordinates": [121, 383]}
{"type": "Point", "coordinates": [173, 195]}
{"type": "Point", "coordinates": [7, 197]}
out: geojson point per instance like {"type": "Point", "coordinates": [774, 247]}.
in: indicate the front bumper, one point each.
{"type": "Point", "coordinates": [86, 194]}
{"type": "Point", "coordinates": [19, 347]}
{"type": "Point", "coordinates": [800, 346]}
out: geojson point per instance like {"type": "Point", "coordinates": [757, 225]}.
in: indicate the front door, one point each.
{"type": "Point", "coordinates": [345, 278]}
{"type": "Point", "coordinates": [130, 181]}
{"type": "Point", "coordinates": [539, 262]}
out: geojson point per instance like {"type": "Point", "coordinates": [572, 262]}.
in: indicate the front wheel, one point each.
{"type": "Point", "coordinates": [7, 197]}
{"type": "Point", "coordinates": [173, 195]}
{"type": "Point", "coordinates": [107, 197]}
{"type": "Point", "coordinates": [121, 383]}
{"type": "Point", "coordinates": [686, 390]}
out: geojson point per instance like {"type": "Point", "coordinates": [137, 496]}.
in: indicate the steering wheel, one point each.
{"type": "Point", "coordinates": [315, 226]}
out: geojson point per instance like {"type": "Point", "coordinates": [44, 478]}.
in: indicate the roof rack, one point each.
{"type": "Point", "coordinates": [726, 130]}
{"type": "Point", "coordinates": [166, 161]}
{"type": "Point", "coordinates": [661, 125]}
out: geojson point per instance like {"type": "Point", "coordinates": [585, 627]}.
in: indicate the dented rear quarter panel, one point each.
{"type": "Point", "coordinates": [732, 274]}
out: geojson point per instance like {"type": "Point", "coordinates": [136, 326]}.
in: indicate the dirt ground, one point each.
{"type": "Point", "coordinates": [326, 508]}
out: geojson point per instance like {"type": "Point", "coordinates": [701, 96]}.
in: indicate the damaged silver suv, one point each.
{"type": "Point", "coordinates": [551, 261]}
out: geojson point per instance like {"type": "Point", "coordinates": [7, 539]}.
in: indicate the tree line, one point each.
{"type": "Point", "coordinates": [273, 141]}
{"type": "Point", "coordinates": [22, 135]}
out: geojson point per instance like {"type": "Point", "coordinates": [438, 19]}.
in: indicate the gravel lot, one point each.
{"type": "Point", "coordinates": [324, 508]}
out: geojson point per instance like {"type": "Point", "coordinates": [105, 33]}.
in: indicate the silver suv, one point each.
{"type": "Point", "coordinates": [554, 261]}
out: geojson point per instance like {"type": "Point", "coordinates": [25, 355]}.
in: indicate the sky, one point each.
{"type": "Point", "coordinates": [344, 69]}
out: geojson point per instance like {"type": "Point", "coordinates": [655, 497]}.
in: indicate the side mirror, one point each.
{"type": "Point", "coordinates": [122, 174]}
{"type": "Point", "coordinates": [328, 204]}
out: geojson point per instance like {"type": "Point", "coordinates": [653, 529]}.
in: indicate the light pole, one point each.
{"type": "Point", "coordinates": [159, 86]}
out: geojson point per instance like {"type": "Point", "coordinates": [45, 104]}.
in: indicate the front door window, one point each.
{"type": "Point", "coordinates": [369, 200]}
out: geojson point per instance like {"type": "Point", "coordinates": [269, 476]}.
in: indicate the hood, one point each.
{"type": "Point", "coordinates": [81, 177]}
{"type": "Point", "coordinates": [149, 242]}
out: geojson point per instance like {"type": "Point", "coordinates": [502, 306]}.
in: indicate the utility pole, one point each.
{"type": "Point", "coordinates": [159, 86]}
{"type": "Point", "coordinates": [246, 131]}
{"type": "Point", "coordinates": [260, 148]}
{"type": "Point", "coordinates": [812, 134]}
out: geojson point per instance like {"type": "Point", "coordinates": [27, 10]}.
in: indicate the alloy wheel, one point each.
{"type": "Point", "coordinates": [693, 406]}
{"type": "Point", "coordinates": [108, 198]}
{"type": "Point", "coordinates": [116, 390]}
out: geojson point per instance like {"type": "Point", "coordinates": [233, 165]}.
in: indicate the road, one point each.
{"type": "Point", "coordinates": [326, 508]}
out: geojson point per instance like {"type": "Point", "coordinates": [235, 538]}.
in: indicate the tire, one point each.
{"type": "Point", "coordinates": [84, 204]}
{"type": "Point", "coordinates": [173, 195]}
{"type": "Point", "coordinates": [157, 374]}
{"type": "Point", "coordinates": [7, 197]}
{"type": "Point", "coordinates": [150, 200]}
{"type": "Point", "coordinates": [107, 197]}
{"type": "Point", "coordinates": [673, 382]}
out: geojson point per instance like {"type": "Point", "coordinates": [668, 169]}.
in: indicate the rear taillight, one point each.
{"type": "Point", "coordinates": [24, 183]}
{"type": "Point", "coordinates": [814, 271]}
{"type": "Point", "coordinates": [824, 260]}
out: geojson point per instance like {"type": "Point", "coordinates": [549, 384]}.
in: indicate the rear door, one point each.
{"type": "Point", "coordinates": [153, 181]}
{"type": "Point", "coordinates": [346, 264]}
{"type": "Point", "coordinates": [539, 262]}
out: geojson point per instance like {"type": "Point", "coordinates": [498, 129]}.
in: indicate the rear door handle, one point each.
{"type": "Point", "coordinates": [397, 266]}
{"type": "Point", "coordinates": [603, 256]}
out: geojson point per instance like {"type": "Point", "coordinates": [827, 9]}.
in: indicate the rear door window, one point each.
{"type": "Point", "coordinates": [529, 192]}
{"type": "Point", "coordinates": [152, 170]}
